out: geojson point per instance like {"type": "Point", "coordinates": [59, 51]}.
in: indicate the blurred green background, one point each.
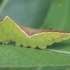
{"type": "Point", "coordinates": [40, 14]}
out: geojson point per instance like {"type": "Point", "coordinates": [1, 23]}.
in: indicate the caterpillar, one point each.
{"type": "Point", "coordinates": [21, 35]}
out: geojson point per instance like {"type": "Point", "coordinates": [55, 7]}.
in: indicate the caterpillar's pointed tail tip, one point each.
{"type": "Point", "coordinates": [5, 16]}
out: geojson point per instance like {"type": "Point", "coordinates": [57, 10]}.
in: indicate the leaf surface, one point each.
{"type": "Point", "coordinates": [11, 56]}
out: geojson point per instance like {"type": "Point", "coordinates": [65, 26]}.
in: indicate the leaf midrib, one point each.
{"type": "Point", "coordinates": [58, 51]}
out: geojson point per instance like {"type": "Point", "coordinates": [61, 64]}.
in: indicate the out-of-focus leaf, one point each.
{"type": "Point", "coordinates": [1, 1]}
{"type": "Point", "coordinates": [29, 13]}
{"type": "Point", "coordinates": [58, 16]}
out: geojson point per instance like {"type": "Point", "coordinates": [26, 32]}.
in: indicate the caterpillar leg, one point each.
{"type": "Point", "coordinates": [5, 42]}
{"type": "Point", "coordinates": [33, 42]}
{"type": "Point", "coordinates": [42, 47]}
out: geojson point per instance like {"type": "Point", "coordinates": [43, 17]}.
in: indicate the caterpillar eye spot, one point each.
{"type": "Point", "coordinates": [40, 42]}
{"type": "Point", "coordinates": [56, 38]}
{"type": "Point", "coordinates": [48, 40]}
{"type": "Point", "coordinates": [25, 38]}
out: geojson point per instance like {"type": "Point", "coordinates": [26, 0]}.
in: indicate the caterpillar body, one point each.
{"type": "Point", "coordinates": [10, 31]}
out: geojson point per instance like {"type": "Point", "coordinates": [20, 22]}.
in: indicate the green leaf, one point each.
{"type": "Point", "coordinates": [11, 56]}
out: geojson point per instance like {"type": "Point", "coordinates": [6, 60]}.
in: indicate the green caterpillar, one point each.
{"type": "Point", "coordinates": [10, 31]}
